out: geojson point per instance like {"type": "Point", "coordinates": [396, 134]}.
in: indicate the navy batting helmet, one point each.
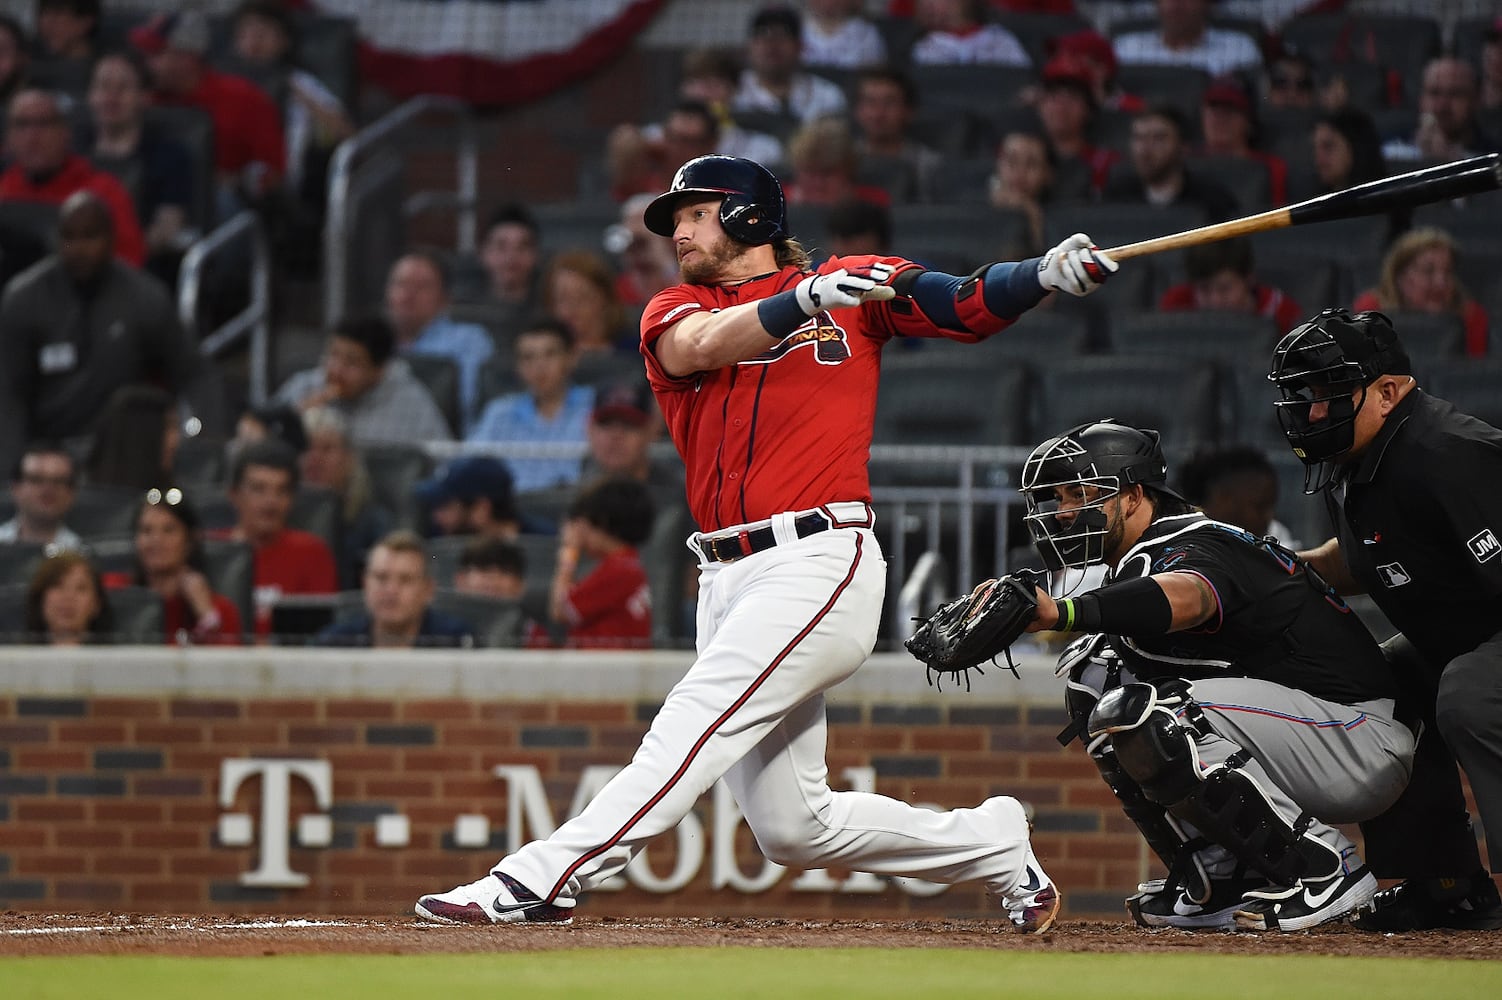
{"type": "Point", "coordinates": [753, 210]}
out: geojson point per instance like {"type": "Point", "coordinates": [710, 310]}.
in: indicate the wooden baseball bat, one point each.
{"type": "Point", "coordinates": [1417, 187]}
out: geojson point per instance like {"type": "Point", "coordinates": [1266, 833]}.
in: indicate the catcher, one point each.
{"type": "Point", "coordinates": [1234, 705]}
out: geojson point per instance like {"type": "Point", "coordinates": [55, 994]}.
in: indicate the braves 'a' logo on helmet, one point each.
{"type": "Point", "coordinates": [827, 339]}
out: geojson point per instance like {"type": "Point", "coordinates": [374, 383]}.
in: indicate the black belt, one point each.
{"type": "Point", "coordinates": [729, 548]}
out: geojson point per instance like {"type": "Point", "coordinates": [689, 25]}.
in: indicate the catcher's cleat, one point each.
{"type": "Point", "coordinates": [1165, 903]}
{"type": "Point", "coordinates": [495, 899]}
{"type": "Point", "coordinates": [1034, 904]}
{"type": "Point", "coordinates": [1309, 903]}
{"type": "Point", "coordinates": [1429, 903]}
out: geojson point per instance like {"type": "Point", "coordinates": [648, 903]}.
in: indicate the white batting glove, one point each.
{"type": "Point", "coordinates": [842, 288]}
{"type": "Point", "coordinates": [1076, 266]}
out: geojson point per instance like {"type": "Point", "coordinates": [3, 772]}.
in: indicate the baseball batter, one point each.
{"type": "Point", "coordinates": [766, 371]}
{"type": "Point", "coordinates": [1237, 708]}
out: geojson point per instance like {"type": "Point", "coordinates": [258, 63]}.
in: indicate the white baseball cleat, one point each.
{"type": "Point", "coordinates": [495, 899]}
{"type": "Point", "coordinates": [1309, 903]}
{"type": "Point", "coordinates": [1034, 904]}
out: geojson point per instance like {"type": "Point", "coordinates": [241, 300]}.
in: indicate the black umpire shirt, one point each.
{"type": "Point", "coordinates": [1271, 622]}
{"type": "Point", "coordinates": [1419, 516]}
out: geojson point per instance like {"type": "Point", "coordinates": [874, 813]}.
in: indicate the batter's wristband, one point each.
{"type": "Point", "coordinates": [781, 314]}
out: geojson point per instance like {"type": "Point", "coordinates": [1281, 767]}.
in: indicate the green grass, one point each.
{"type": "Point", "coordinates": [728, 973]}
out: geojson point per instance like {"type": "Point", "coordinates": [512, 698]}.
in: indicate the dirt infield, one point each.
{"type": "Point", "coordinates": [29, 934]}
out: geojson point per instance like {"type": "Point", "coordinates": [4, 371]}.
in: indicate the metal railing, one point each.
{"type": "Point", "coordinates": [255, 319]}
{"type": "Point", "coordinates": [384, 134]}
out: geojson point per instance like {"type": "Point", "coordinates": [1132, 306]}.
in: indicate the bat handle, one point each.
{"type": "Point", "coordinates": [1262, 222]}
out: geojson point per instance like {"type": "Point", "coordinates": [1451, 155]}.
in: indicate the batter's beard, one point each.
{"type": "Point", "coordinates": [709, 267]}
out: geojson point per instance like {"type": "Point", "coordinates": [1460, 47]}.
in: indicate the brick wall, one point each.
{"type": "Point", "coordinates": [110, 776]}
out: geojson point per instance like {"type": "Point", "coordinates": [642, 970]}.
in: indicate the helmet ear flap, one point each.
{"type": "Point", "coordinates": [747, 222]}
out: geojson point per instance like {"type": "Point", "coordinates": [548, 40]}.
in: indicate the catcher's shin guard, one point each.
{"type": "Point", "coordinates": [1224, 803]}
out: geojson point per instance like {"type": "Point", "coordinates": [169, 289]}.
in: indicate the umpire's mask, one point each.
{"type": "Point", "coordinates": [1068, 480]}
{"type": "Point", "coordinates": [1330, 360]}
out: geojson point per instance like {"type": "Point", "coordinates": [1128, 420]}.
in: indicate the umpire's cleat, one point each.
{"type": "Point", "coordinates": [1034, 904]}
{"type": "Point", "coordinates": [1309, 903]}
{"type": "Point", "coordinates": [495, 899]}
{"type": "Point", "coordinates": [1431, 903]}
{"type": "Point", "coordinates": [1164, 903]}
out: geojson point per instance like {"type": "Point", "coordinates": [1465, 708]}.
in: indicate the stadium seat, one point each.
{"type": "Point", "coordinates": [1376, 42]}
{"type": "Point", "coordinates": [12, 611]}
{"type": "Point", "coordinates": [18, 560]}
{"type": "Point", "coordinates": [1312, 284]}
{"type": "Point", "coordinates": [1177, 397]}
{"type": "Point", "coordinates": [667, 564]}
{"type": "Point", "coordinates": [950, 402]}
{"type": "Point", "coordinates": [394, 470]}
{"type": "Point", "coordinates": [316, 510]}
{"type": "Point", "coordinates": [1429, 337]}
{"type": "Point", "coordinates": [547, 506]}
{"type": "Point", "coordinates": [894, 175]}
{"type": "Point", "coordinates": [962, 181]}
{"type": "Point", "coordinates": [103, 510]}
{"type": "Point", "coordinates": [970, 88]}
{"type": "Point", "coordinates": [1037, 30]}
{"type": "Point", "coordinates": [200, 459]}
{"type": "Point", "coordinates": [440, 375]}
{"type": "Point", "coordinates": [231, 572]}
{"type": "Point", "coordinates": [115, 554]}
{"type": "Point", "coordinates": [598, 368]}
{"type": "Point", "coordinates": [195, 130]}
{"type": "Point", "coordinates": [1039, 336]}
{"type": "Point", "coordinates": [1246, 179]}
{"type": "Point", "coordinates": [138, 615]}
{"type": "Point", "coordinates": [1470, 383]}
{"type": "Point", "coordinates": [958, 238]}
{"type": "Point", "coordinates": [1255, 416]}
{"type": "Point", "coordinates": [950, 133]}
{"type": "Point", "coordinates": [1183, 87]}
{"type": "Point", "coordinates": [1222, 337]}
{"type": "Point", "coordinates": [1306, 517]}
{"type": "Point", "coordinates": [575, 225]}
{"type": "Point", "coordinates": [497, 624]}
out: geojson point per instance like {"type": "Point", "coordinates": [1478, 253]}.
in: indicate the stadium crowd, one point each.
{"type": "Point", "coordinates": [149, 502]}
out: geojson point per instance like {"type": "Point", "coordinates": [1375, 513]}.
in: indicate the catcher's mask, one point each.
{"type": "Point", "coordinates": [753, 210]}
{"type": "Point", "coordinates": [1067, 481]}
{"type": "Point", "coordinates": [1331, 359]}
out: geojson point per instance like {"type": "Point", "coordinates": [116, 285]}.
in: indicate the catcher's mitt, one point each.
{"type": "Point", "coordinates": [980, 626]}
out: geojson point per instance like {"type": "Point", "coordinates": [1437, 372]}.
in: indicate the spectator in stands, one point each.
{"type": "Point", "coordinates": [250, 149]}
{"type": "Point", "coordinates": [171, 561]}
{"type": "Point", "coordinates": [1066, 106]}
{"type": "Point", "coordinates": [885, 102]}
{"type": "Point", "coordinates": [136, 444]}
{"type": "Point", "coordinates": [1158, 174]}
{"type": "Point", "coordinates": [1229, 126]}
{"type": "Point", "coordinates": [1448, 128]}
{"type": "Point", "coordinates": [1347, 150]}
{"type": "Point", "coordinates": [43, 485]}
{"type": "Point", "coordinates": [492, 567]}
{"type": "Point", "coordinates": [331, 462]}
{"type": "Point", "coordinates": [1222, 276]}
{"type": "Point", "coordinates": [611, 608]}
{"type": "Point", "coordinates": [80, 325]}
{"type": "Point", "coordinates": [835, 33]}
{"type": "Point", "coordinates": [511, 257]}
{"type": "Point", "coordinates": [315, 120]}
{"type": "Point", "coordinates": [376, 392]}
{"type": "Point", "coordinates": [1184, 38]}
{"type": "Point", "coordinates": [857, 227]}
{"type": "Point", "coordinates": [14, 61]}
{"type": "Point", "coordinates": [826, 167]}
{"type": "Point", "coordinates": [622, 428]}
{"type": "Point", "coordinates": [67, 42]}
{"type": "Point", "coordinates": [43, 167]}
{"type": "Point", "coordinates": [417, 303]}
{"type": "Point", "coordinates": [472, 495]}
{"type": "Point", "coordinates": [263, 483]}
{"type": "Point", "coordinates": [774, 81]}
{"type": "Point", "coordinates": [642, 160]}
{"type": "Point", "coordinates": [155, 168]}
{"type": "Point", "coordinates": [551, 410]}
{"type": "Point", "coordinates": [277, 421]}
{"type": "Point", "coordinates": [398, 590]}
{"type": "Point", "coordinates": [1490, 97]}
{"type": "Point", "coordinates": [1288, 81]}
{"type": "Point", "coordinates": [1025, 167]}
{"type": "Point", "coordinates": [1236, 484]}
{"type": "Point", "coordinates": [1092, 50]}
{"type": "Point", "coordinates": [646, 261]}
{"type": "Point", "coordinates": [579, 291]}
{"type": "Point", "coordinates": [66, 604]}
{"type": "Point", "coordinates": [713, 76]}
{"type": "Point", "coordinates": [1418, 275]}
{"type": "Point", "coordinates": [957, 32]}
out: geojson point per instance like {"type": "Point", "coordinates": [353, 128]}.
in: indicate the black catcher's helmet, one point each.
{"type": "Point", "coordinates": [1100, 459]}
{"type": "Point", "coordinates": [1331, 359]}
{"type": "Point", "coordinates": [753, 210]}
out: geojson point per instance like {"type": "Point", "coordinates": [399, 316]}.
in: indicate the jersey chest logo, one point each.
{"type": "Point", "coordinates": [826, 337]}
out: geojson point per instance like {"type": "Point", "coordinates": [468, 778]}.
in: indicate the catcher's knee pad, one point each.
{"type": "Point", "coordinates": [1224, 803]}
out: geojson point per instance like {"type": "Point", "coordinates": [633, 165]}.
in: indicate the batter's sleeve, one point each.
{"type": "Point", "coordinates": [667, 307]}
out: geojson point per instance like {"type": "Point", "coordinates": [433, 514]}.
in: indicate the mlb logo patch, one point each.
{"type": "Point", "coordinates": [1484, 545]}
{"type": "Point", "coordinates": [1393, 575]}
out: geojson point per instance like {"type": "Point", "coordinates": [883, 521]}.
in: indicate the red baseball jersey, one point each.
{"type": "Point", "coordinates": [791, 428]}
{"type": "Point", "coordinates": [611, 608]}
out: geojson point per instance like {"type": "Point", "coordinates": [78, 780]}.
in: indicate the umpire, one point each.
{"type": "Point", "coordinates": [1414, 490]}
{"type": "Point", "coordinates": [1234, 705]}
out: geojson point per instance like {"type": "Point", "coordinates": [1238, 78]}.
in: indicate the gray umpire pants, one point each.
{"type": "Point", "coordinates": [1468, 710]}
